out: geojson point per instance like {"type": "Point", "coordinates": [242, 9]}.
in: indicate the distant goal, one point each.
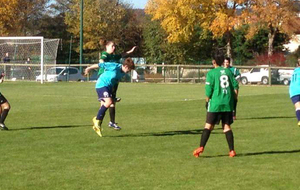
{"type": "Point", "coordinates": [24, 58]}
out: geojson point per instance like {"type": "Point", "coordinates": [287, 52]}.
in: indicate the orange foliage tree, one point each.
{"type": "Point", "coordinates": [20, 17]}
{"type": "Point", "coordinates": [8, 16]}
{"type": "Point", "coordinates": [179, 17]}
{"type": "Point", "coordinates": [275, 16]}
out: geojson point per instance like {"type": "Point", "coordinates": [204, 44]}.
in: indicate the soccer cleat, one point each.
{"type": "Point", "coordinates": [198, 151]}
{"type": "Point", "coordinates": [98, 130]}
{"type": "Point", "coordinates": [114, 126]}
{"type": "Point", "coordinates": [232, 153]}
{"type": "Point", "coordinates": [97, 126]}
{"type": "Point", "coordinates": [298, 123]}
{"type": "Point", "coordinates": [117, 99]}
{"type": "Point", "coordinates": [3, 127]}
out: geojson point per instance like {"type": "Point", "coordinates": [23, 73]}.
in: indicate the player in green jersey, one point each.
{"type": "Point", "coordinates": [220, 89]}
{"type": "Point", "coordinates": [236, 74]}
{"type": "Point", "coordinates": [109, 55]}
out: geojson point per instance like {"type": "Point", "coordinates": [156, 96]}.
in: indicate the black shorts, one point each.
{"type": "Point", "coordinates": [214, 118]}
{"type": "Point", "coordinates": [2, 99]}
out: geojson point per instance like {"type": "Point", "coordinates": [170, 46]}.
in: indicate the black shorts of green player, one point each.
{"type": "Point", "coordinates": [214, 118]}
{"type": "Point", "coordinates": [4, 109]}
{"type": "Point", "coordinates": [2, 99]}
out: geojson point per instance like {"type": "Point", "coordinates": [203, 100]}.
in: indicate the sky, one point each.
{"type": "Point", "coordinates": [137, 4]}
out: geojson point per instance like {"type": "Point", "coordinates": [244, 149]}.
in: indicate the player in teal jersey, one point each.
{"type": "Point", "coordinates": [294, 90]}
{"type": "Point", "coordinates": [4, 107]}
{"type": "Point", "coordinates": [109, 55]}
{"type": "Point", "coordinates": [113, 72]}
{"type": "Point", "coordinates": [220, 89]}
{"type": "Point", "coordinates": [236, 74]}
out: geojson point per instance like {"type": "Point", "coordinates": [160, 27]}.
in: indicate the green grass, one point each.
{"type": "Point", "coordinates": [51, 144]}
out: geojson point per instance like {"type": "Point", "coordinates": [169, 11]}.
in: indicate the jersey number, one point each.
{"type": "Point", "coordinates": [294, 77]}
{"type": "Point", "coordinates": [224, 81]}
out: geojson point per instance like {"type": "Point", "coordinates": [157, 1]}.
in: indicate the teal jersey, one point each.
{"type": "Point", "coordinates": [111, 76]}
{"type": "Point", "coordinates": [295, 83]}
{"type": "Point", "coordinates": [219, 88]}
{"type": "Point", "coordinates": [109, 58]}
{"type": "Point", "coordinates": [234, 71]}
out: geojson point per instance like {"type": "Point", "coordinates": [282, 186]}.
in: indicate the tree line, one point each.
{"type": "Point", "coordinates": [167, 31]}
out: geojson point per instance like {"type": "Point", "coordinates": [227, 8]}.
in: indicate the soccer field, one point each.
{"type": "Point", "coordinates": [51, 144]}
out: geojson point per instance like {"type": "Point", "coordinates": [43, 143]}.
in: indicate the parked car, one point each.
{"type": "Point", "coordinates": [257, 75]}
{"type": "Point", "coordinates": [55, 74]}
{"type": "Point", "coordinates": [285, 76]}
{"type": "Point", "coordinates": [20, 73]}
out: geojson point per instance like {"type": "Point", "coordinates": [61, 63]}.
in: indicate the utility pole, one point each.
{"type": "Point", "coordinates": [81, 35]}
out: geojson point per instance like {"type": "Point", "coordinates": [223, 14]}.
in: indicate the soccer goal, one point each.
{"type": "Point", "coordinates": [25, 58]}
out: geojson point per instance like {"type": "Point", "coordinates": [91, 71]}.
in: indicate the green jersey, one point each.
{"type": "Point", "coordinates": [234, 71]}
{"type": "Point", "coordinates": [109, 58]}
{"type": "Point", "coordinates": [219, 88]}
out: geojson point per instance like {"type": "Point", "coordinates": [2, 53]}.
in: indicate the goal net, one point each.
{"type": "Point", "coordinates": [25, 58]}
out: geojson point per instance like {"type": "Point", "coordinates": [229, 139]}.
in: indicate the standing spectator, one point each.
{"type": "Point", "coordinates": [28, 60]}
{"type": "Point", "coordinates": [135, 76]}
{"type": "Point", "coordinates": [28, 68]}
{"type": "Point", "coordinates": [6, 59]}
{"type": "Point", "coordinates": [295, 90]}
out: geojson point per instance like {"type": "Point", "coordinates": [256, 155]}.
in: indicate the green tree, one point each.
{"type": "Point", "coordinates": [154, 38]}
{"type": "Point", "coordinates": [106, 19]}
{"type": "Point", "coordinates": [102, 19]}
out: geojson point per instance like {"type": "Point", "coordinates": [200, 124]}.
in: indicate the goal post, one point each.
{"type": "Point", "coordinates": [27, 56]}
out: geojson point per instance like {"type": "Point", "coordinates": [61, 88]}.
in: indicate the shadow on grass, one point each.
{"type": "Point", "coordinates": [168, 133]}
{"type": "Point", "coordinates": [257, 153]}
{"type": "Point", "coordinates": [272, 117]}
{"type": "Point", "coordinates": [270, 152]}
{"type": "Point", "coordinates": [49, 127]}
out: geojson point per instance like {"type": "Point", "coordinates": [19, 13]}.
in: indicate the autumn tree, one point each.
{"type": "Point", "coordinates": [179, 17]}
{"type": "Point", "coordinates": [280, 16]}
{"type": "Point", "coordinates": [7, 16]}
{"type": "Point", "coordinates": [19, 17]}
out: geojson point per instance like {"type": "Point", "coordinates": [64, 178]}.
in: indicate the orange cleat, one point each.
{"type": "Point", "coordinates": [198, 151]}
{"type": "Point", "coordinates": [232, 153]}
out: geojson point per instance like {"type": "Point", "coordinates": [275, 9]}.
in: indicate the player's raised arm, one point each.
{"type": "Point", "coordinates": [132, 50]}
{"type": "Point", "coordinates": [87, 70]}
